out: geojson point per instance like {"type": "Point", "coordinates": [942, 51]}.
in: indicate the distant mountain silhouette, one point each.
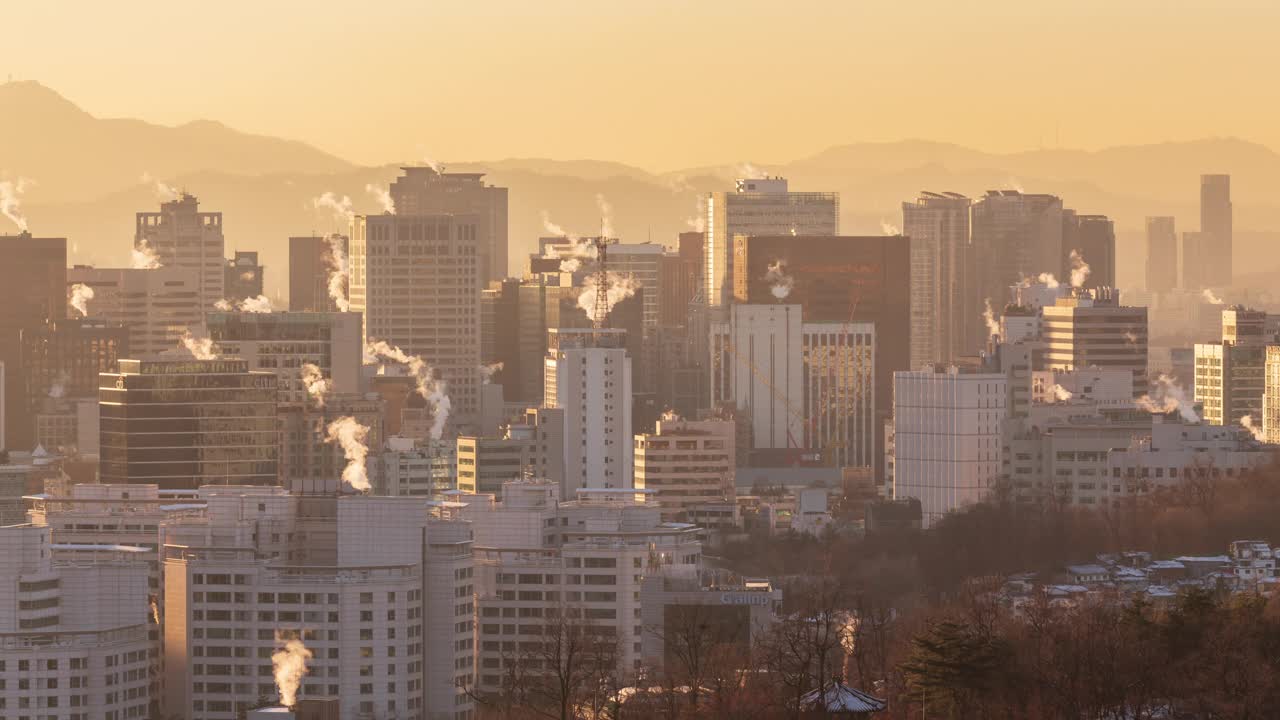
{"type": "Point", "coordinates": [89, 183]}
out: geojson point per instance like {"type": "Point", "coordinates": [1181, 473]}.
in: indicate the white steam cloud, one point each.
{"type": "Point", "coordinates": [747, 171]}
{"type": "Point", "coordinates": [1080, 269]}
{"type": "Point", "coordinates": [201, 348]}
{"type": "Point", "coordinates": [889, 228]}
{"type": "Point", "coordinates": [340, 206]}
{"type": "Point", "coordinates": [779, 281]}
{"type": "Point", "coordinates": [143, 256]}
{"type": "Point", "coordinates": [314, 381]}
{"type": "Point", "coordinates": [619, 288]}
{"type": "Point", "coordinates": [339, 275]}
{"type": "Point", "coordinates": [81, 294]}
{"type": "Point", "coordinates": [11, 200]}
{"type": "Point", "coordinates": [383, 196]}
{"type": "Point", "coordinates": [290, 664]}
{"type": "Point", "coordinates": [606, 216]}
{"type": "Point", "coordinates": [431, 389]}
{"type": "Point", "coordinates": [163, 191]}
{"type": "Point", "coordinates": [488, 371]}
{"type": "Point", "coordinates": [259, 304]}
{"type": "Point", "coordinates": [58, 387]}
{"type": "Point", "coordinates": [247, 276]}
{"type": "Point", "coordinates": [989, 317]}
{"type": "Point", "coordinates": [1247, 423]}
{"type": "Point", "coordinates": [698, 223]}
{"type": "Point", "coordinates": [1048, 280]}
{"type": "Point", "coordinates": [1060, 394]}
{"type": "Point", "coordinates": [670, 415]}
{"type": "Point", "coordinates": [1210, 297]}
{"type": "Point", "coordinates": [1165, 397]}
{"type": "Point", "coordinates": [351, 436]}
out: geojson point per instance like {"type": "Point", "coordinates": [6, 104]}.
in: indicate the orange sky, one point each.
{"type": "Point", "coordinates": [665, 84]}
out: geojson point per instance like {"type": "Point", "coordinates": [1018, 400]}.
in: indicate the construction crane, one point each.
{"type": "Point", "coordinates": [602, 283]}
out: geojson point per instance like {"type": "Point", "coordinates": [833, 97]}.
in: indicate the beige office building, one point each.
{"type": "Point", "coordinates": [686, 463]}
{"type": "Point", "coordinates": [1090, 328]}
{"type": "Point", "coordinates": [156, 306]}
{"type": "Point", "coordinates": [181, 236]}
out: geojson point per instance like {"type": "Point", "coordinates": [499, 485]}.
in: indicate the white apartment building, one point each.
{"type": "Point", "coordinates": [1178, 451]}
{"type": "Point", "coordinates": [282, 342]}
{"type": "Point", "coordinates": [686, 463]}
{"type": "Point", "coordinates": [156, 306]}
{"type": "Point", "coordinates": [587, 374]}
{"type": "Point", "coordinates": [181, 236]}
{"type": "Point", "coordinates": [540, 559]}
{"type": "Point", "coordinates": [73, 629]}
{"type": "Point", "coordinates": [417, 281]}
{"type": "Point", "coordinates": [803, 385]}
{"type": "Point", "coordinates": [946, 437]}
{"type": "Point", "coordinates": [355, 578]}
{"type": "Point", "coordinates": [1107, 388]}
{"type": "Point", "coordinates": [759, 206]}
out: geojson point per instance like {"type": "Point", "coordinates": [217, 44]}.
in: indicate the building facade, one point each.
{"type": "Point", "coordinates": [155, 306]}
{"type": "Point", "coordinates": [182, 424]}
{"type": "Point", "coordinates": [945, 314]}
{"type": "Point", "coordinates": [33, 293]}
{"type": "Point", "coordinates": [1216, 222]}
{"type": "Point", "coordinates": [686, 463]}
{"type": "Point", "coordinates": [1090, 328]}
{"type": "Point", "coordinates": [183, 237]}
{"type": "Point", "coordinates": [587, 374]}
{"type": "Point", "coordinates": [1162, 254]}
{"type": "Point", "coordinates": [427, 191]}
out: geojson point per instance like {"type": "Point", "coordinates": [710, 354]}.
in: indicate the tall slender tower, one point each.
{"type": "Point", "coordinates": [945, 312]}
{"type": "Point", "coordinates": [1215, 219]}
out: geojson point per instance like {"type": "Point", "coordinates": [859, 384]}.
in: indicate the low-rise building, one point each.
{"type": "Point", "coordinates": [687, 464]}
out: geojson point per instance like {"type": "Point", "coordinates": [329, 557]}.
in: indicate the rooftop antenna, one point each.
{"type": "Point", "coordinates": [602, 282]}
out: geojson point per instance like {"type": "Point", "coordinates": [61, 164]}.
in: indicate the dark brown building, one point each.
{"type": "Point", "coordinates": [310, 262]}
{"type": "Point", "coordinates": [33, 293]}
{"type": "Point", "coordinates": [1094, 237]}
{"type": "Point", "coordinates": [841, 278]}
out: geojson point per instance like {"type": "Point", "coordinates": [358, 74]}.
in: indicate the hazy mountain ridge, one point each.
{"type": "Point", "coordinates": [89, 171]}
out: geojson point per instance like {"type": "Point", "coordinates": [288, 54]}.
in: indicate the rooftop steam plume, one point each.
{"type": "Point", "coordinates": [259, 304]}
{"type": "Point", "coordinates": [351, 436]}
{"type": "Point", "coordinates": [81, 294]}
{"type": "Point", "coordinates": [747, 171]}
{"type": "Point", "coordinates": [1166, 396]}
{"type": "Point", "coordinates": [1079, 269]}
{"type": "Point", "coordinates": [340, 206]}
{"type": "Point", "coordinates": [201, 348]}
{"type": "Point", "coordinates": [290, 664]}
{"type": "Point", "coordinates": [606, 215]}
{"type": "Point", "coordinates": [698, 223]}
{"type": "Point", "coordinates": [314, 381]}
{"type": "Point", "coordinates": [1048, 280]}
{"type": "Point", "coordinates": [620, 287]}
{"type": "Point", "coordinates": [1210, 297]}
{"type": "Point", "coordinates": [143, 256]}
{"type": "Point", "coordinates": [339, 276]}
{"type": "Point", "coordinates": [488, 371]}
{"type": "Point", "coordinates": [889, 228]}
{"type": "Point", "coordinates": [1060, 394]}
{"type": "Point", "coordinates": [11, 200]}
{"type": "Point", "coordinates": [431, 389]}
{"type": "Point", "coordinates": [779, 281]}
{"type": "Point", "coordinates": [989, 317]}
{"type": "Point", "coordinates": [1247, 423]}
{"type": "Point", "coordinates": [58, 387]}
{"type": "Point", "coordinates": [383, 196]}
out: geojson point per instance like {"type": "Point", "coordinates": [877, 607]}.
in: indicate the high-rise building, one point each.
{"type": "Point", "coordinates": [1162, 254]}
{"type": "Point", "coordinates": [759, 207]}
{"type": "Point", "coordinates": [588, 376]}
{"type": "Point", "coordinates": [534, 446]}
{"type": "Point", "coordinates": [311, 260]}
{"type": "Point", "coordinates": [33, 293]}
{"type": "Point", "coordinates": [376, 589]}
{"type": "Point", "coordinates": [182, 424]}
{"type": "Point", "coordinates": [1090, 328]}
{"type": "Point", "coordinates": [680, 277]}
{"type": "Point", "coordinates": [1231, 374]}
{"type": "Point", "coordinates": [182, 236]}
{"type": "Point", "coordinates": [243, 276]}
{"type": "Point", "coordinates": [540, 558]}
{"type": "Point", "coordinates": [500, 338]}
{"type": "Point", "coordinates": [282, 342]}
{"type": "Point", "coordinates": [75, 627]}
{"type": "Point", "coordinates": [63, 359]}
{"type": "Point", "coordinates": [804, 387]}
{"type": "Point", "coordinates": [686, 463]}
{"type": "Point", "coordinates": [1197, 247]}
{"type": "Point", "coordinates": [1015, 235]}
{"type": "Point", "coordinates": [426, 191]}
{"type": "Point", "coordinates": [1216, 221]}
{"type": "Point", "coordinates": [155, 306]}
{"type": "Point", "coordinates": [945, 314]}
{"type": "Point", "coordinates": [838, 280]}
{"type": "Point", "coordinates": [1093, 238]}
{"type": "Point", "coordinates": [1271, 395]}
{"type": "Point", "coordinates": [416, 279]}
{"type": "Point", "coordinates": [946, 437]}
